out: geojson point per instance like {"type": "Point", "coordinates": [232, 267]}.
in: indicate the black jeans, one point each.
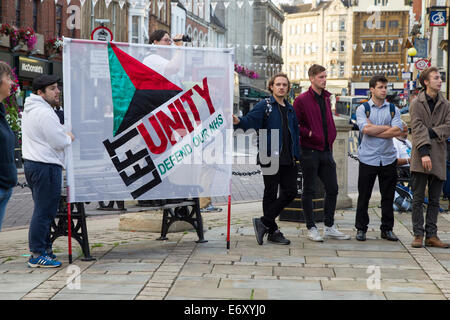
{"type": "Point", "coordinates": [418, 183]}
{"type": "Point", "coordinates": [387, 178]}
{"type": "Point", "coordinates": [286, 178]}
{"type": "Point", "coordinates": [319, 164]}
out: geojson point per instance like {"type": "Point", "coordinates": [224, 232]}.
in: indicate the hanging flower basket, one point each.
{"type": "Point", "coordinates": [246, 72]}
{"type": "Point", "coordinates": [53, 46]}
{"type": "Point", "coordinates": [13, 114]}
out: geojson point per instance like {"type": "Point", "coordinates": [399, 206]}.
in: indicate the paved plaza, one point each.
{"type": "Point", "coordinates": [134, 265]}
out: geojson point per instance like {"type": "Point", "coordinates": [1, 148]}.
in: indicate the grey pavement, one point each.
{"type": "Point", "coordinates": [135, 266]}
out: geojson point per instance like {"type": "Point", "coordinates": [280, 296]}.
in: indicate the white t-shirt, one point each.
{"type": "Point", "coordinates": [403, 149]}
{"type": "Point", "coordinates": [156, 62]}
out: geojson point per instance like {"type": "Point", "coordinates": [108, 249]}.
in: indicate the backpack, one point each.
{"type": "Point", "coordinates": [367, 112]}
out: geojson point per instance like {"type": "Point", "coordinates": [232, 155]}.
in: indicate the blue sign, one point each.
{"type": "Point", "coordinates": [438, 18]}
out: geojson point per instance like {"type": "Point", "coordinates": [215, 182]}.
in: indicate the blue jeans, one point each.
{"type": "Point", "coordinates": [44, 180]}
{"type": "Point", "coordinates": [5, 194]}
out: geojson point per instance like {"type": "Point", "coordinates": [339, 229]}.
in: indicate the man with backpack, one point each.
{"type": "Point", "coordinates": [277, 116]}
{"type": "Point", "coordinates": [378, 121]}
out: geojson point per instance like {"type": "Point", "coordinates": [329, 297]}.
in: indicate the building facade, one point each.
{"type": "Point", "coordinates": [178, 23]}
{"type": "Point", "coordinates": [380, 34]}
{"type": "Point", "coordinates": [319, 33]}
{"type": "Point", "coordinates": [268, 36]}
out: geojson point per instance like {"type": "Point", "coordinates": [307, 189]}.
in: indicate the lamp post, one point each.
{"type": "Point", "coordinates": [412, 52]}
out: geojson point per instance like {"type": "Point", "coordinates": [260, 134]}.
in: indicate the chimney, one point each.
{"type": "Point", "coordinates": [315, 3]}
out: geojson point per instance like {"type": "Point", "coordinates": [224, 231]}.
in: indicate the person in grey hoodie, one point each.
{"type": "Point", "coordinates": [43, 144]}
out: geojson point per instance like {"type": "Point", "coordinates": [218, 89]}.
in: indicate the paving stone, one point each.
{"type": "Point", "coordinates": [92, 296]}
{"type": "Point", "coordinates": [373, 254]}
{"type": "Point", "coordinates": [202, 268]}
{"type": "Point", "coordinates": [271, 284]}
{"type": "Point", "coordinates": [353, 245]}
{"type": "Point", "coordinates": [385, 273]}
{"type": "Point", "coordinates": [286, 259]}
{"type": "Point", "coordinates": [282, 294]}
{"type": "Point", "coordinates": [17, 283]}
{"type": "Point", "coordinates": [181, 293]}
{"type": "Point", "coordinates": [196, 282]}
{"type": "Point", "coordinates": [107, 284]}
{"type": "Point", "coordinates": [242, 270]}
{"type": "Point", "coordinates": [413, 296]}
{"type": "Point", "coordinates": [312, 253]}
{"type": "Point", "coordinates": [124, 266]}
{"type": "Point", "coordinates": [384, 286]}
{"type": "Point", "coordinates": [362, 261]}
{"type": "Point", "coordinates": [303, 272]}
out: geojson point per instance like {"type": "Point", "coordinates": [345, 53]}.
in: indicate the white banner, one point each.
{"type": "Point", "coordinates": [150, 122]}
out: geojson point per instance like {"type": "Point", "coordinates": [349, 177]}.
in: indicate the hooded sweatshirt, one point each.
{"type": "Point", "coordinates": [43, 136]}
{"type": "Point", "coordinates": [8, 171]}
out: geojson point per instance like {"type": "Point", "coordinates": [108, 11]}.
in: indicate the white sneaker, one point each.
{"type": "Point", "coordinates": [313, 234]}
{"type": "Point", "coordinates": [334, 233]}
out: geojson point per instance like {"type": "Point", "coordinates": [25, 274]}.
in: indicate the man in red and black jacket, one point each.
{"type": "Point", "coordinates": [317, 134]}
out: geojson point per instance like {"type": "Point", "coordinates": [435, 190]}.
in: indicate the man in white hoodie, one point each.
{"type": "Point", "coordinates": [43, 143]}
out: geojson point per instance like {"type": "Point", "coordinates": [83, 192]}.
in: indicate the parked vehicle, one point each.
{"type": "Point", "coordinates": [346, 107]}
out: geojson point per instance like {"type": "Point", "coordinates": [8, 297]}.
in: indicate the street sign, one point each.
{"type": "Point", "coordinates": [422, 64]}
{"type": "Point", "coordinates": [438, 18]}
{"type": "Point", "coordinates": [102, 34]}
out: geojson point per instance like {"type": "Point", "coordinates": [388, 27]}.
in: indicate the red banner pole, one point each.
{"type": "Point", "coordinates": [69, 226]}
{"type": "Point", "coordinates": [229, 219]}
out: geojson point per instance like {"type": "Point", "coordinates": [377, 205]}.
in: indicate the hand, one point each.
{"type": "Point", "coordinates": [426, 163]}
{"type": "Point", "coordinates": [178, 37]}
{"type": "Point", "coordinates": [236, 120]}
{"type": "Point", "coordinates": [70, 135]}
{"type": "Point", "coordinates": [368, 121]}
{"type": "Point", "coordinates": [310, 134]}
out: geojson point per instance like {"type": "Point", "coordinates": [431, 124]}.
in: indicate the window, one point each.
{"type": "Point", "coordinates": [333, 46]}
{"type": "Point", "coordinates": [18, 13]}
{"type": "Point", "coordinates": [367, 47]}
{"type": "Point", "coordinates": [335, 26]}
{"type": "Point", "coordinates": [342, 24]}
{"type": "Point", "coordinates": [393, 46]}
{"type": "Point", "coordinates": [379, 47]}
{"type": "Point", "coordinates": [341, 69]}
{"type": "Point", "coordinates": [35, 14]}
{"type": "Point", "coordinates": [393, 24]}
{"type": "Point", "coordinates": [307, 28]}
{"type": "Point", "coordinates": [58, 15]}
{"type": "Point", "coordinates": [314, 27]}
{"type": "Point", "coordinates": [299, 30]}
{"type": "Point", "coordinates": [342, 46]}
{"type": "Point", "coordinates": [135, 29]}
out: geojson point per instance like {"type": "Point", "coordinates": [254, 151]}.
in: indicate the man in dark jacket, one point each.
{"type": "Point", "coordinates": [317, 134]}
{"type": "Point", "coordinates": [8, 171]}
{"type": "Point", "coordinates": [277, 116]}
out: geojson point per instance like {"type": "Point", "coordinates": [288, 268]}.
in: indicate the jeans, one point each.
{"type": "Point", "coordinates": [418, 183]}
{"type": "Point", "coordinates": [286, 179]}
{"type": "Point", "coordinates": [387, 177]}
{"type": "Point", "coordinates": [319, 164]}
{"type": "Point", "coordinates": [5, 194]}
{"type": "Point", "coordinates": [44, 180]}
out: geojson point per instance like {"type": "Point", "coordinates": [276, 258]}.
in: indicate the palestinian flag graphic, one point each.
{"type": "Point", "coordinates": [136, 89]}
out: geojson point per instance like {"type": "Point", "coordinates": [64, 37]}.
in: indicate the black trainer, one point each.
{"type": "Point", "coordinates": [260, 230]}
{"type": "Point", "coordinates": [278, 238]}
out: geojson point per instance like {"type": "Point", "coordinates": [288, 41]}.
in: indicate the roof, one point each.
{"type": "Point", "coordinates": [303, 8]}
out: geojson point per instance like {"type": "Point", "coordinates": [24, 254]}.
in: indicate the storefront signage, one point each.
{"type": "Point", "coordinates": [31, 68]}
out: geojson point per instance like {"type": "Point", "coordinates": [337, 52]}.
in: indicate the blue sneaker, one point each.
{"type": "Point", "coordinates": [43, 262]}
{"type": "Point", "coordinates": [51, 255]}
